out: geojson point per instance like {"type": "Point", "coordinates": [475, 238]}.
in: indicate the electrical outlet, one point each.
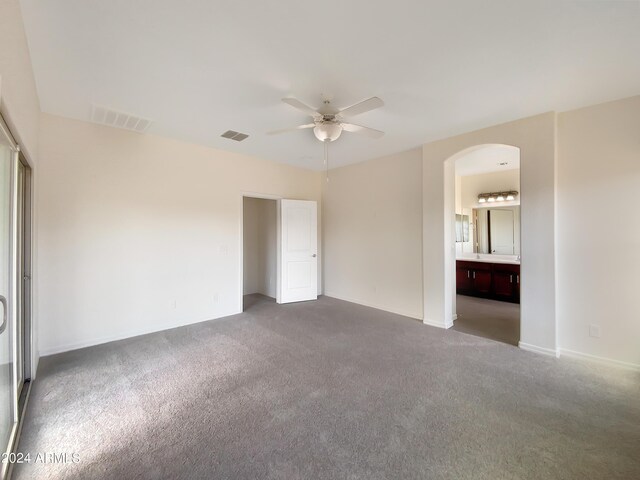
{"type": "Point", "coordinates": [174, 304]}
{"type": "Point", "coordinates": [224, 250]}
{"type": "Point", "coordinates": [594, 331]}
{"type": "Point", "coordinates": [215, 298]}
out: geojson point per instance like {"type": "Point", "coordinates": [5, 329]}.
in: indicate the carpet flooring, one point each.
{"type": "Point", "coordinates": [328, 390]}
{"type": "Point", "coordinates": [491, 319]}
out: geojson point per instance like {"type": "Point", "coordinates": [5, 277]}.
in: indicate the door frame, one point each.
{"type": "Point", "coordinates": [262, 196]}
{"type": "Point", "coordinates": [20, 396]}
{"type": "Point", "coordinates": [27, 268]}
{"type": "Point", "coordinates": [450, 257]}
{"type": "Point", "coordinates": [450, 290]}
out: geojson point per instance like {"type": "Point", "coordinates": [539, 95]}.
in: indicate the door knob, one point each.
{"type": "Point", "coordinates": [3, 301]}
{"type": "Point", "coordinates": [314, 255]}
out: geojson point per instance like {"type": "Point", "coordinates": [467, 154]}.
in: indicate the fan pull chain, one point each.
{"type": "Point", "coordinates": [326, 158]}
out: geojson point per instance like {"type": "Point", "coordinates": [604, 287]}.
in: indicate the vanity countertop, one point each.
{"type": "Point", "coordinates": [509, 259]}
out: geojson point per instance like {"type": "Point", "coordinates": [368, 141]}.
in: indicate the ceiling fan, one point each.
{"type": "Point", "coordinates": [329, 122]}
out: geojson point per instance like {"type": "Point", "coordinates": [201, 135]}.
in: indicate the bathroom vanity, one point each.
{"type": "Point", "coordinates": [496, 277]}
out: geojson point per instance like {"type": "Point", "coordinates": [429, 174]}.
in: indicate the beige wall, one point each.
{"type": "Point", "coordinates": [19, 102]}
{"type": "Point", "coordinates": [598, 246]}
{"type": "Point", "coordinates": [251, 245]}
{"type": "Point", "coordinates": [373, 233]}
{"type": "Point", "coordinates": [473, 185]}
{"type": "Point", "coordinates": [260, 246]}
{"type": "Point", "coordinates": [141, 233]}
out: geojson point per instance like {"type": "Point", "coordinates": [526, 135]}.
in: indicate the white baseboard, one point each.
{"type": "Point", "coordinates": [601, 360]}
{"type": "Point", "coordinates": [34, 365]}
{"type": "Point", "coordinates": [121, 336]}
{"type": "Point", "coordinates": [371, 305]}
{"type": "Point", "coordinates": [536, 349]}
{"type": "Point", "coordinates": [455, 317]}
{"type": "Point", "coordinates": [433, 323]}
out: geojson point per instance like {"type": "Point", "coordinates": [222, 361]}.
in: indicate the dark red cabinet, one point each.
{"type": "Point", "coordinates": [506, 281]}
{"type": "Point", "coordinates": [482, 282]}
{"type": "Point", "coordinates": [464, 282]}
{"type": "Point", "coordinates": [498, 281]}
{"type": "Point", "coordinates": [503, 284]}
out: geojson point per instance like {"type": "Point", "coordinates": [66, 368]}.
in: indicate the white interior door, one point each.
{"type": "Point", "coordinates": [502, 237]}
{"type": "Point", "coordinates": [298, 262]}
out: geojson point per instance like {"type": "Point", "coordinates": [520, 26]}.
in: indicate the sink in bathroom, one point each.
{"type": "Point", "coordinates": [489, 258]}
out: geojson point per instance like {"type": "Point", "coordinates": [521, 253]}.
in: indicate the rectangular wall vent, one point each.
{"type": "Point", "coordinates": [238, 137]}
{"type": "Point", "coordinates": [114, 118]}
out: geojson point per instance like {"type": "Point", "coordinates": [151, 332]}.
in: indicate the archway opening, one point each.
{"type": "Point", "coordinates": [483, 222]}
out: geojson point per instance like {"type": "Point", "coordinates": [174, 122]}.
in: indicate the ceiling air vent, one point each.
{"type": "Point", "coordinates": [114, 118]}
{"type": "Point", "coordinates": [238, 137]}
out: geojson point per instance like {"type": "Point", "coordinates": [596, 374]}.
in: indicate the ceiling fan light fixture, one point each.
{"type": "Point", "coordinates": [327, 120]}
{"type": "Point", "coordinates": [327, 131]}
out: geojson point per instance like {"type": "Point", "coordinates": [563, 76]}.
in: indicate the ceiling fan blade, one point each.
{"type": "Point", "coordinates": [369, 132]}
{"type": "Point", "coordinates": [295, 103]}
{"type": "Point", "coordinates": [362, 107]}
{"type": "Point", "coordinates": [285, 130]}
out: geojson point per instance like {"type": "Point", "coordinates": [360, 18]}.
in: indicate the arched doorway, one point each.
{"type": "Point", "coordinates": [486, 242]}
{"type": "Point", "coordinates": [535, 137]}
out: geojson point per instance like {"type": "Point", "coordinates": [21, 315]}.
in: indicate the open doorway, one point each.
{"type": "Point", "coordinates": [260, 250]}
{"type": "Point", "coordinates": [487, 243]}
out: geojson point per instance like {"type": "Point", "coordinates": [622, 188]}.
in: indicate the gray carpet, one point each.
{"type": "Point", "coordinates": [325, 390]}
{"type": "Point", "coordinates": [492, 319]}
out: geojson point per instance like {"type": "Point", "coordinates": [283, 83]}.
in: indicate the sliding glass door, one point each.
{"type": "Point", "coordinates": [15, 344]}
{"type": "Point", "coordinates": [8, 406]}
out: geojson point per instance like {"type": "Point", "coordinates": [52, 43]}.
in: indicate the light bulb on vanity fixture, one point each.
{"type": "Point", "coordinates": [494, 197]}
{"type": "Point", "coordinates": [511, 196]}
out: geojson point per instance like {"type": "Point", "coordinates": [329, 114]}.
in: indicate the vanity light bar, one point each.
{"type": "Point", "coordinates": [497, 197]}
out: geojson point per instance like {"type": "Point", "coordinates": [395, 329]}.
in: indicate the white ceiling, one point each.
{"type": "Point", "coordinates": [201, 67]}
{"type": "Point", "coordinates": [487, 159]}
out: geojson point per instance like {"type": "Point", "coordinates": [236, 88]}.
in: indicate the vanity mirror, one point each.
{"type": "Point", "coordinates": [497, 230]}
{"type": "Point", "coordinates": [462, 228]}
